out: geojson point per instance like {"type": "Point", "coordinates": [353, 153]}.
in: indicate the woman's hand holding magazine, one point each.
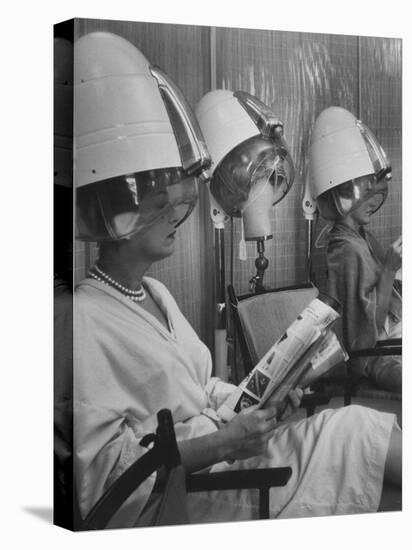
{"type": "Point", "coordinates": [249, 432]}
{"type": "Point", "coordinates": [307, 349]}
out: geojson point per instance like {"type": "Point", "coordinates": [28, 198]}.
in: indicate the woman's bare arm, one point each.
{"type": "Point", "coordinates": [245, 436]}
{"type": "Point", "coordinates": [393, 261]}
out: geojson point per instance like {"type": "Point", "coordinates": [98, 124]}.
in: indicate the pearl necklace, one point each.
{"type": "Point", "coordinates": [137, 295]}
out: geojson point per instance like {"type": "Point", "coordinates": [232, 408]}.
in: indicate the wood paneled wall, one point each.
{"type": "Point", "coordinates": [298, 75]}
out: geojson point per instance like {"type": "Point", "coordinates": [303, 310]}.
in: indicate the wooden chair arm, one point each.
{"type": "Point", "coordinates": [238, 479]}
{"type": "Point", "coordinates": [261, 479]}
{"type": "Point", "coordinates": [382, 347]}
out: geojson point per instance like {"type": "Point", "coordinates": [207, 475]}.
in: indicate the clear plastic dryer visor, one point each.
{"type": "Point", "coordinates": [255, 164]}
{"type": "Point", "coordinates": [259, 165]}
{"type": "Point", "coordinates": [347, 196]}
{"type": "Point", "coordinates": [121, 207]}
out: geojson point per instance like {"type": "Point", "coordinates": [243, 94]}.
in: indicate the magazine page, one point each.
{"type": "Point", "coordinates": [330, 354]}
{"type": "Point", "coordinates": [309, 326]}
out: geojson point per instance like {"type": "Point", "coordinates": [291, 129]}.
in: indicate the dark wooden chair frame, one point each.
{"type": "Point", "coordinates": [382, 348]}
{"type": "Point", "coordinates": [321, 395]}
{"type": "Point", "coordinates": [164, 456]}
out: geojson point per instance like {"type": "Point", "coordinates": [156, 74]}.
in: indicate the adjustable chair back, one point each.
{"type": "Point", "coordinates": [260, 319]}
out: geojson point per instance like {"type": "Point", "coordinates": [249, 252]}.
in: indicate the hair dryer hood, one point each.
{"type": "Point", "coordinates": [139, 151]}
{"type": "Point", "coordinates": [346, 163]}
{"type": "Point", "coordinates": [252, 169]}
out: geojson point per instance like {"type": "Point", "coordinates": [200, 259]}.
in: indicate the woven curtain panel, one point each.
{"type": "Point", "coordinates": [183, 52]}
{"type": "Point", "coordinates": [380, 69]}
{"type": "Point", "coordinates": [298, 75]}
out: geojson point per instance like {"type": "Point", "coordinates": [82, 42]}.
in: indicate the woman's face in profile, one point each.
{"type": "Point", "coordinates": [363, 213]}
{"type": "Point", "coordinates": [156, 240]}
{"type": "Point", "coordinates": [160, 205]}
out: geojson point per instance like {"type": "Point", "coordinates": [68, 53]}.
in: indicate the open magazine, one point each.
{"type": "Point", "coordinates": [307, 349]}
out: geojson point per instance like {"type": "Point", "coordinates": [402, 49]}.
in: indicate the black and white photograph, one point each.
{"type": "Point", "coordinates": [214, 160]}
{"type": "Point", "coordinates": [225, 233]}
